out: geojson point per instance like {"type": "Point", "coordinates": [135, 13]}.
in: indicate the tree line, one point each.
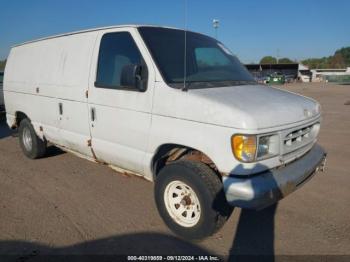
{"type": "Point", "coordinates": [2, 65]}
{"type": "Point", "coordinates": [340, 59]}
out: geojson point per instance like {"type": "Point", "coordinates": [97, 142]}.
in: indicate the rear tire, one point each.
{"type": "Point", "coordinates": [190, 199]}
{"type": "Point", "coordinates": [32, 146]}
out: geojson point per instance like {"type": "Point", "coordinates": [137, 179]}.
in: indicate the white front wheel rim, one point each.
{"type": "Point", "coordinates": [182, 203]}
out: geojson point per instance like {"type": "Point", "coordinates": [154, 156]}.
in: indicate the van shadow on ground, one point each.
{"type": "Point", "coordinates": [4, 129]}
{"type": "Point", "coordinates": [106, 249]}
{"type": "Point", "coordinates": [255, 233]}
{"type": "Point", "coordinates": [52, 151]}
{"type": "Point", "coordinates": [254, 238]}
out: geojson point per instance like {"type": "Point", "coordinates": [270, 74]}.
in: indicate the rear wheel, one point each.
{"type": "Point", "coordinates": [190, 199]}
{"type": "Point", "coordinates": [32, 146]}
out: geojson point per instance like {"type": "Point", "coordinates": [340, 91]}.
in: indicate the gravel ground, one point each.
{"type": "Point", "coordinates": [62, 204]}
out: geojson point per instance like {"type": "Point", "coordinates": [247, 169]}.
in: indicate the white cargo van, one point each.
{"type": "Point", "coordinates": [194, 122]}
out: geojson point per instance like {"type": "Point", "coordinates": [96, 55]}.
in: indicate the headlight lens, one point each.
{"type": "Point", "coordinates": [244, 147]}
{"type": "Point", "coordinates": [264, 146]}
{"type": "Point", "coordinates": [249, 148]}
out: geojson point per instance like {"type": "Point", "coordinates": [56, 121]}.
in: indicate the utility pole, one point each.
{"type": "Point", "coordinates": [216, 27]}
{"type": "Point", "coordinates": [184, 88]}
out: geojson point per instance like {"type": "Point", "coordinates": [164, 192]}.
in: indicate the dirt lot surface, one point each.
{"type": "Point", "coordinates": [66, 205]}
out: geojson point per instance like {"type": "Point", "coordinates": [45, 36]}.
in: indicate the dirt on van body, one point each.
{"type": "Point", "coordinates": [66, 205]}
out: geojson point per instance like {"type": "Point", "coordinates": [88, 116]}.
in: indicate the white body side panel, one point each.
{"type": "Point", "coordinates": [41, 75]}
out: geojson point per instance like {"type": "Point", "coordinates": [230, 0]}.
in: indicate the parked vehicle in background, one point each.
{"type": "Point", "coordinates": [276, 79]}
{"type": "Point", "coordinates": [261, 79]}
{"type": "Point", "coordinates": [304, 74]}
{"type": "Point", "coordinates": [1, 91]}
{"type": "Point", "coordinates": [289, 78]}
{"type": "Point", "coordinates": [210, 136]}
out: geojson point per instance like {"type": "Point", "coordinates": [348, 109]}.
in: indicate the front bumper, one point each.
{"type": "Point", "coordinates": [267, 188]}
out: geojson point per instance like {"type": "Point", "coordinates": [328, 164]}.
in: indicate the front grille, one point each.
{"type": "Point", "coordinates": [298, 140]}
{"type": "Point", "coordinates": [298, 136]}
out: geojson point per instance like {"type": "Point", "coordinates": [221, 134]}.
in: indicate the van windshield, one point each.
{"type": "Point", "coordinates": [208, 62]}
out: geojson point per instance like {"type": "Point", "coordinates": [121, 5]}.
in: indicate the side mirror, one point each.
{"type": "Point", "coordinates": [131, 77]}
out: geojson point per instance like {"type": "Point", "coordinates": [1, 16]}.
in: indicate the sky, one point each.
{"type": "Point", "coordinates": [251, 29]}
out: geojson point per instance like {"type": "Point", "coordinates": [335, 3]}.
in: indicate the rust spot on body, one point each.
{"type": "Point", "coordinates": [89, 143]}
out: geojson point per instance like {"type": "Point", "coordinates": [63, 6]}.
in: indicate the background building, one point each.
{"type": "Point", "coordinates": [299, 72]}
{"type": "Point", "coordinates": [292, 72]}
{"type": "Point", "coordinates": [341, 76]}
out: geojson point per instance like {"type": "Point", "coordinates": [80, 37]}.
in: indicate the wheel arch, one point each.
{"type": "Point", "coordinates": [167, 153]}
{"type": "Point", "coordinates": [19, 116]}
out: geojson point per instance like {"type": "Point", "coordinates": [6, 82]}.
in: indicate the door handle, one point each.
{"type": "Point", "coordinates": [93, 114]}
{"type": "Point", "coordinates": [60, 108]}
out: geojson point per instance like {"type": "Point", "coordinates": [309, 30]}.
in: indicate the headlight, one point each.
{"type": "Point", "coordinates": [263, 146]}
{"type": "Point", "coordinates": [268, 146]}
{"type": "Point", "coordinates": [250, 148]}
{"type": "Point", "coordinates": [244, 147]}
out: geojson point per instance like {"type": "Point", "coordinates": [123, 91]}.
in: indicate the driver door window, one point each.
{"type": "Point", "coordinates": [116, 51]}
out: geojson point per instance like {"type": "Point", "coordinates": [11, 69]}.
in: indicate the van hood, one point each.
{"type": "Point", "coordinates": [242, 107]}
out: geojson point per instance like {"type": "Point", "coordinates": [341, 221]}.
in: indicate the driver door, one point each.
{"type": "Point", "coordinates": [120, 118]}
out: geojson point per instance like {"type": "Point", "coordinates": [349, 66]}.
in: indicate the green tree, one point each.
{"type": "Point", "coordinates": [337, 61]}
{"type": "Point", "coordinates": [268, 60]}
{"type": "Point", "coordinates": [340, 59]}
{"type": "Point", "coordinates": [2, 65]}
{"type": "Point", "coordinates": [345, 53]}
{"type": "Point", "coordinates": [319, 63]}
{"type": "Point", "coordinates": [285, 60]}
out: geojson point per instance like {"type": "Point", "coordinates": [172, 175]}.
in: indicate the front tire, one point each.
{"type": "Point", "coordinates": [32, 146]}
{"type": "Point", "coordinates": [190, 199]}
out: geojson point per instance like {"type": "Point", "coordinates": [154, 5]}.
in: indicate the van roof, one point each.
{"type": "Point", "coordinates": [90, 30]}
